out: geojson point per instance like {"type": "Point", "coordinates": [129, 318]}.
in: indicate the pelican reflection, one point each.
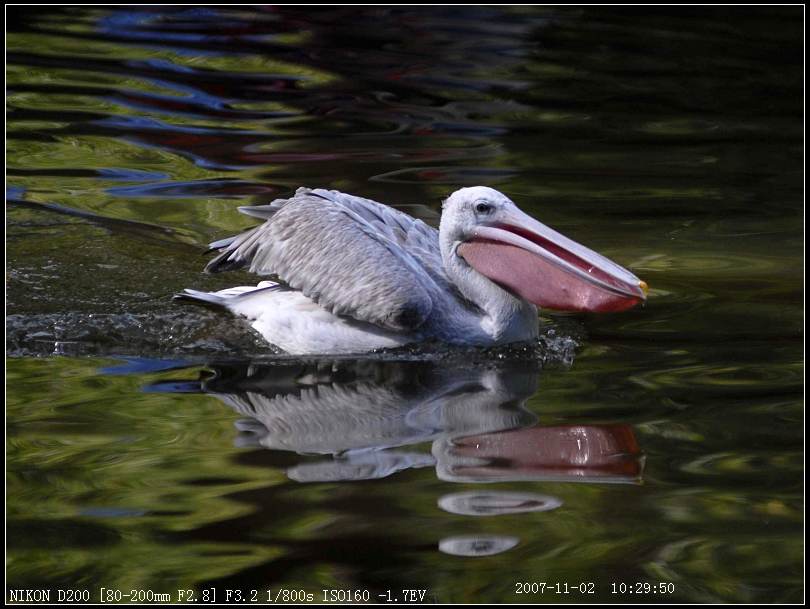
{"type": "Point", "coordinates": [369, 419]}
{"type": "Point", "coordinates": [371, 416]}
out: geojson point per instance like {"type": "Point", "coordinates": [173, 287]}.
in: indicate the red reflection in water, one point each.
{"type": "Point", "coordinates": [579, 452]}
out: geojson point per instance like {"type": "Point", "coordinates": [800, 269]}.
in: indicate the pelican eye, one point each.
{"type": "Point", "coordinates": [483, 208]}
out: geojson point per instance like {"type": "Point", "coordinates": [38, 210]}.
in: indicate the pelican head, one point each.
{"type": "Point", "coordinates": [483, 229]}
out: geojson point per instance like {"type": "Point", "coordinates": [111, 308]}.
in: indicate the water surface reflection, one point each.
{"type": "Point", "coordinates": [365, 413]}
{"type": "Point", "coordinates": [372, 417]}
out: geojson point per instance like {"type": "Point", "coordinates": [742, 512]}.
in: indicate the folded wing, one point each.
{"type": "Point", "coordinates": [353, 256]}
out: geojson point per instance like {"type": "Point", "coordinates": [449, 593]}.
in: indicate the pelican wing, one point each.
{"type": "Point", "coordinates": [353, 256]}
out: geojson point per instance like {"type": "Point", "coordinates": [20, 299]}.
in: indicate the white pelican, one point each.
{"type": "Point", "coordinates": [357, 275]}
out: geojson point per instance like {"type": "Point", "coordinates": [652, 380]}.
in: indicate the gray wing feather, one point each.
{"type": "Point", "coordinates": [414, 236]}
{"type": "Point", "coordinates": [263, 212]}
{"type": "Point", "coordinates": [352, 256]}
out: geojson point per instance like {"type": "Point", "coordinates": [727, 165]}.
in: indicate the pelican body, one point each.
{"type": "Point", "coordinates": [352, 275]}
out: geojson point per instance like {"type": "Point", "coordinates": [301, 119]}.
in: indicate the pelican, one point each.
{"type": "Point", "coordinates": [352, 275]}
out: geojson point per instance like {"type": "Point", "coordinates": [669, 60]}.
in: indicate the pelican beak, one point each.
{"type": "Point", "coordinates": [548, 269]}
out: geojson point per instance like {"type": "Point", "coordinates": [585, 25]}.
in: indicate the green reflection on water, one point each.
{"type": "Point", "coordinates": [148, 490]}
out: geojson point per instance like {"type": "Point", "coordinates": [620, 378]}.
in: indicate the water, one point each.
{"type": "Point", "coordinates": [163, 448]}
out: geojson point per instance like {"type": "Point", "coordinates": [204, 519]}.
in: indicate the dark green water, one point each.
{"type": "Point", "coordinates": [162, 448]}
